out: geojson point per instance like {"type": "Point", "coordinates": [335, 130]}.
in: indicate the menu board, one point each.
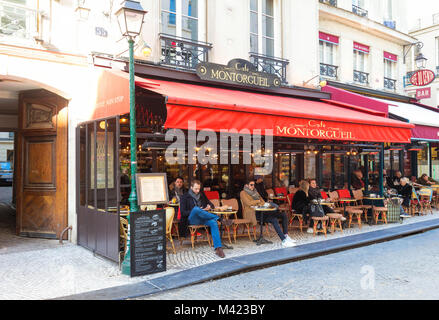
{"type": "Point", "coordinates": [152, 188]}
{"type": "Point", "coordinates": [147, 242]}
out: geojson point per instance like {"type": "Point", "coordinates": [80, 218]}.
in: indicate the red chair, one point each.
{"type": "Point", "coordinates": [344, 194]}
{"type": "Point", "coordinates": [281, 190]}
{"type": "Point", "coordinates": [324, 195]}
{"type": "Point", "coordinates": [212, 195]}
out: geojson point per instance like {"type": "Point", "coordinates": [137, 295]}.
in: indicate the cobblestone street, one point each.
{"type": "Point", "coordinates": [399, 269]}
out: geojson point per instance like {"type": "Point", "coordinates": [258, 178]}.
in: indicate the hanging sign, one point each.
{"type": "Point", "coordinates": [424, 93]}
{"type": "Point", "coordinates": [237, 71]}
{"type": "Point", "coordinates": [422, 78]}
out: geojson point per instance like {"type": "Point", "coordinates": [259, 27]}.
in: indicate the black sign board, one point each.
{"type": "Point", "coordinates": [237, 71]}
{"type": "Point", "coordinates": [148, 242]}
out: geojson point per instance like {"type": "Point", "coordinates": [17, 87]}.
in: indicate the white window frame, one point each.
{"type": "Point", "coordinates": [327, 49]}
{"type": "Point", "coordinates": [359, 3]}
{"type": "Point", "coordinates": [437, 51]}
{"type": "Point", "coordinates": [260, 35]}
{"type": "Point", "coordinates": [201, 19]}
{"type": "Point", "coordinates": [392, 65]}
{"type": "Point", "coordinates": [364, 66]}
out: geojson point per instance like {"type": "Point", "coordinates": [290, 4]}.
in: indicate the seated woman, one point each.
{"type": "Point", "coordinates": [315, 194]}
{"type": "Point", "coordinates": [301, 203]}
{"type": "Point", "coordinates": [405, 191]}
{"type": "Point", "coordinates": [425, 180]}
{"type": "Point", "coordinates": [250, 198]}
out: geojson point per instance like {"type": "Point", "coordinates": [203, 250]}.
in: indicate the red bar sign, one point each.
{"type": "Point", "coordinates": [424, 93]}
{"type": "Point", "coordinates": [361, 47]}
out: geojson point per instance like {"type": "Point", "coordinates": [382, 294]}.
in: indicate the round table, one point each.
{"type": "Point", "coordinates": [347, 200]}
{"type": "Point", "coordinates": [173, 204]}
{"type": "Point", "coordinates": [262, 210]}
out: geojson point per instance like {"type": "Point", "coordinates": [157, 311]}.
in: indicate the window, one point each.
{"type": "Point", "coordinates": [180, 18]}
{"type": "Point", "coordinates": [327, 53]}
{"type": "Point", "coordinates": [262, 27]}
{"type": "Point", "coordinates": [360, 61]}
{"type": "Point", "coordinates": [358, 3]}
{"type": "Point", "coordinates": [437, 51]}
{"type": "Point", "coordinates": [17, 18]}
{"type": "Point", "coordinates": [388, 11]}
{"type": "Point", "coordinates": [388, 69]}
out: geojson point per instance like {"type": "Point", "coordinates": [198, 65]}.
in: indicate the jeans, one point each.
{"type": "Point", "coordinates": [199, 216]}
{"type": "Point", "coordinates": [273, 219]}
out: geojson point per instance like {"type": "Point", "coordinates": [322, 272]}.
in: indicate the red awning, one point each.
{"type": "Point", "coordinates": [361, 47]}
{"type": "Point", "coordinates": [390, 56]}
{"type": "Point", "coordinates": [328, 38]}
{"type": "Point", "coordinates": [341, 95]}
{"type": "Point", "coordinates": [224, 109]}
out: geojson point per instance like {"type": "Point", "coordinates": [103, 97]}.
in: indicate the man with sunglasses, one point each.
{"type": "Point", "coordinates": [250, 198]}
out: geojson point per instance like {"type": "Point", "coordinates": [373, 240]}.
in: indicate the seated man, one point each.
{"type": "Point", "coordinates": [260, 187]}
{"type": "Point", "coordinates": [425, 180]}
{"type": "Point", "coordinates": [177, 190]}
{"type": "Point", "coordinates": [405, 191]}
{"type": "Point", "coordinates": [250, 197]}
{"type": "Point", "coordinates": [193, 208]}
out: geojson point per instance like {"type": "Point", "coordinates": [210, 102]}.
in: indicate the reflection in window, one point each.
{"type": "Point", "coordinates": [180, 19]}
{"type": "Point", "coordinates": [262, 27]}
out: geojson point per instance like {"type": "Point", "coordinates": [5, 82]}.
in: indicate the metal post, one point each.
{"type": "Point", "coordinates": [430, 162]}
{"type": "Point", "coordinates": [126, 265]}
{"type": "Point", "coordinates": [380, 172]}
{"type": "Point", "coordinates": [366, 172]}
{"type": "Point", "coordinates": [332, 169]}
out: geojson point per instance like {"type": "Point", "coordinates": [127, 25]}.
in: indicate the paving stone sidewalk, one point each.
{"type": "Point", "coordinates": [44, 269]}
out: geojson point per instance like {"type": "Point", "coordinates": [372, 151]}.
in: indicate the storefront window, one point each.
{"type": "Point", "coordinates": [310, 166]}
{"type": "Point", "coordinates": [435, 162]}
{"type": "Point", "coordinates": [423, 157]}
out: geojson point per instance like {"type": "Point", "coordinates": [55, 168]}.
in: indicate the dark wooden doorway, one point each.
{"type": "Point", "coordinates": [41, 170]}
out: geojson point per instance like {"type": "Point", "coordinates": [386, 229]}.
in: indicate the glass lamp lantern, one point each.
{"type": "Point", "coordinates": [130, 18]}
{"type": "Point", "coordinates": [421, 61]}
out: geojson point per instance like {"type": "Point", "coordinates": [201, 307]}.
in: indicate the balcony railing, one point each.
{"type": "Point", "coordinates": [17, 20]}
{"type": "Point", "coordinates": [183, 53]}
{"type": "Point", "coordinates": [359, 11]}
{"type": "Point", "coordinates": [272, 65]}
{"type": "Point", "coordinates": [390, 84]}
{"type": "Point", "coordinates": [361, 77]}
{"type": "Point", "coordinates": [328, 70]}
{"type": "Point", "coordinates": [330, 2]}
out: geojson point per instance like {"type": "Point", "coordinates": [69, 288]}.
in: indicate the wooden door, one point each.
{"type": "Point", "coordinates": [42, 165]}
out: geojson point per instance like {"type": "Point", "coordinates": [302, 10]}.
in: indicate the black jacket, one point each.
{"type": "Point", "coordinates": [314, 193]}
{"type": "Point", "coordinates": [261, 190]}
{"type": "Point", "coordinates": [406, 193]}
{"type": "Point", "coordinates": [300, 201]}
{"type": "Point", "coordinates": [187, 203]}
{"type": "Point", "coordinates": [356, 183]}
{"type": "Point", "coordinates": [172, 193]}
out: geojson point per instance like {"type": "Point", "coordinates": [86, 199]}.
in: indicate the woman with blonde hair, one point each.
{"type": "Point", "coordinates": [301, 202]}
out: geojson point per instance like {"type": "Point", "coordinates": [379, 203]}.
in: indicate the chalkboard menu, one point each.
{"type": "Point", "coordinates": [148, 242]}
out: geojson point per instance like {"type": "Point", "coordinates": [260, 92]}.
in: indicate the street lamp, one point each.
{"type": "Point", "coordinates": [421, 61]}
{"type": "Point", "coordinates": [130, 19]}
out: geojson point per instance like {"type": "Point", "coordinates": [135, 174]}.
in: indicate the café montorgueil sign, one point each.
{"type": "Point", "coordinates": [237, 71]}
{"type": "Point", "coordinates": [422, 78]}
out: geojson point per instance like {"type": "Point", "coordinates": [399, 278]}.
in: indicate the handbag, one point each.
{"type": "Point", "coordinates": [316, 210]}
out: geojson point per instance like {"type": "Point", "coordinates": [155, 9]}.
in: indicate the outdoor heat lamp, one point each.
{"type": "Point", "coordinates": [130, 18]}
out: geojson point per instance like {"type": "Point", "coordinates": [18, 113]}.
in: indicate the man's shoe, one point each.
{"type": "Point", "coordinates": [289, 239]}
{"type": "Point", "coordinates": [288, 244]}
{"type": "Point", "coordinates": [405, 215]}
{"type": "Point", "coordinates": [219, 252]}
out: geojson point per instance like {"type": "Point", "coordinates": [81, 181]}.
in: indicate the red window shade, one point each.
{"type": "Point", "coordinates": [328, 38]}
{"type": "Point", "coordinates": [390, 56]}
{"type": "Point", "coordinates": [361, 47]}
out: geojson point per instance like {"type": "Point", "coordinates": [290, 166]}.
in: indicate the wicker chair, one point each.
{"type": "Point", "coordinates": [237, 223]}
{"type": "Point", "coordinates": [170, 212]}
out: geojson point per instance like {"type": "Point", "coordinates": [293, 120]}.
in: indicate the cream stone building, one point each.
{"type": "Point", "coordinates": [50, 50]}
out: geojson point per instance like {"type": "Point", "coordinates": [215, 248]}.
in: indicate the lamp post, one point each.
{"type": "Point", "coordinates": [421, 61]}
{"type": "Point", "coordinates": [130, 19]}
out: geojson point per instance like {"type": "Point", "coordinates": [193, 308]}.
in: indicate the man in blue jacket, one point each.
{"type": "Point", "coordinates": [193, 208]}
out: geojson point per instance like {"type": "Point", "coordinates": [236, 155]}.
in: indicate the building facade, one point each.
{"type": "Point", "coordinates": [50, 51]}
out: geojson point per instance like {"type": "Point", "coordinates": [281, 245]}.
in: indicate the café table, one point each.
{"type": "Point", "coordinates": [373, 202]}
{"type": "Point", "coordinates": [345, 201]}
{"type": "Point", "coordinates": [262, 211]}
{"type": "Point", "coordinates": [226, 214]}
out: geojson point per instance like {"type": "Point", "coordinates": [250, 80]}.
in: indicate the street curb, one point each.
{"type": "Point", "coordinates": [231, 266]}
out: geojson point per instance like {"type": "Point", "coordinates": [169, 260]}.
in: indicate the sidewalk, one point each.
{"type": "Point", "coordinates": [57, 271]}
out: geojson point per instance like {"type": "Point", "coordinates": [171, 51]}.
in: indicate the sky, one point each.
{"type": "Point", "coordinates": [423, 9]}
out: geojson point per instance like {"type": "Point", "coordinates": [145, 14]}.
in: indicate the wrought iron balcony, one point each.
{"type": "Point", "coordinates": [359, 11]}
{"type": "Point", "coordinates": [183, 53]}
{"type": "Point", "coordinates": [361, 77]}
{"type": "Point", "coordinates": [328, 70]}
{"type": "Point", "coordinates": [272, 65]}
{"type": "Point", "coordinates": [330, 2]}
{"type": "Point", "coordinates": [390, 84]}
{"type": "Point", "coordinates": [17, 20]}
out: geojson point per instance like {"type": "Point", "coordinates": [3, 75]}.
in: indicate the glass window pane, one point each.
{"type": "Point", "coordinates": [190, 28]}
{"type": "Point", "coordinates": [169, 5]}
{"type": "Point", "coordinates": [82, 165]}
{"type": "Point", "coordinates": [168, 23]}
{"type": "Point", "coordinates": [267, 7]}
{"type": "Point", "coordinates": [254, 5]}
{"type": "Point", "coordinates": [267, 26]}
{"type": "Point", "coordinates": [190, 8]}
{"type": "Point", "coordinates": [268, 47]}
{"type": "Point", "coordinates": [253, 22]}
{"type": "Point", "coordinates": [253, 43]}
{"type": "Point", "coordinates": [91, 164]}
{"type": "Point", "coordinates": [321, 45]}
{"type": "Point", "coordinates": [310, 166]}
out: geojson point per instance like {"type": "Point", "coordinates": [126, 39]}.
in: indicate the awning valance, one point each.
{"type": "Point", "coordinates": [224, 109]}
